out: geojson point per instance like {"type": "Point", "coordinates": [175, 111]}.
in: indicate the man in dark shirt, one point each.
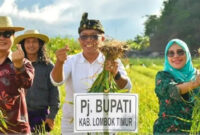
{"type": "Point", "coordinates": [42, 98]}
{"type": "Point", "coordinates": [16, 74]}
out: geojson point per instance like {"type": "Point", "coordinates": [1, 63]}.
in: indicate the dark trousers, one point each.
{"type": "Point", "coordinates": [36, 118]}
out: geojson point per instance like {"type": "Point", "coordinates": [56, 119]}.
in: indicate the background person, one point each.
{"type": "Point", "coordinates": [42, 98]}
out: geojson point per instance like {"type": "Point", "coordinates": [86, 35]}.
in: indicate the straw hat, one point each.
{"type": "Point", "coordinates": [6, 24]}
{"type": "Point", "coordinates": [29, 34]}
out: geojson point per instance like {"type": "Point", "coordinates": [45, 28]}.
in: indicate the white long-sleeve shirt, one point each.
{"type": "Point", "coordinates": [79, 75]}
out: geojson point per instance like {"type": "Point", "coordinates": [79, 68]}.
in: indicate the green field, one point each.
{"type": "Point", "coordinates": [142, 72]}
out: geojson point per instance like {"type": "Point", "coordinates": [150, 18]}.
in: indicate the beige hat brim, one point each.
{"type": "Point", "coordinates": [12, 28]}
{"type": "Point", "coordinates": [43, 37]}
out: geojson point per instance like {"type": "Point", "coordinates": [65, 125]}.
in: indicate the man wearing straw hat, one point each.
{"type": "Point", "coordinates": [16, 75]}
{"type": "Point", "coordinates": [42, 95]}
{"type": "Point", "coordinates": [80, 71]}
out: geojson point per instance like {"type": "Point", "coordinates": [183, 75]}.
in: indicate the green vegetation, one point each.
{"type": "Point", "coordinates": [178, 19]}
{"type": "Point", "coordinates": [142, 78]}
{"type": "Point", "coordinates": [139, 43]}
{"type": "Point", "coordinates": [142, 72]}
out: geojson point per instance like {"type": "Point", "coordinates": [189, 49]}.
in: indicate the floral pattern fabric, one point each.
{"type": "Point", "coordinates": [12, 96]}
{"type": "Point", "coordinates": [175, 110]}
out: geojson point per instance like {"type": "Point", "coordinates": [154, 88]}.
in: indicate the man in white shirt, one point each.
{"type": "Point", "coordinates": [79, 71]}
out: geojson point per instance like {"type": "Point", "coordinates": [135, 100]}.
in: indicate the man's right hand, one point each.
{"type": "Point", "coordinates": [57, 71]}
{"type": "Point", "coordinates": [61, 54]}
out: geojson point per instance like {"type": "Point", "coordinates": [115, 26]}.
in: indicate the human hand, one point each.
{"type": "Point", "coordinates": [112, 67]}
{"type": "Point", "coordinates": [50, 123]}
{"type": "Point", "coordinates": [61, 54]}
{"type": "Point", "coordinates": [197, 81]}
{"type": "Point", "coordinates": [17, 57]}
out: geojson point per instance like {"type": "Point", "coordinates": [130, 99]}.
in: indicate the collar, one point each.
{"type": "Point", "coordinates": [8, 58]}
{"type": "Point", "coordinates": [99, 59]}
{"type": "Point", "coordinates": [10, 55]}
{"type": "Point", "coordinates": [35, 62]}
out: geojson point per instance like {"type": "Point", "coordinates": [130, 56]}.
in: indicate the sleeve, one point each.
{"type": "Point", "coordinates": [24, 77]}
{"type": "Point", "coordinates": [123, 73]}
{"type": "Point", "coordinates": [56, 83]}
{"type": "Point", "coordinates": [166, 86]}
{"type": "Point", "coordinates": [67, 67]}
{"type": "Point", "coordinates": [54, 98]}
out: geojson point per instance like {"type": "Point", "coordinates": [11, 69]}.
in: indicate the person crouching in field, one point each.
{"type": "Point", "coordinates": [16, 75]}
{"type": "Point", "coordinates": [42, 98]}
{"type": "Point", "coordinates": [79, 71]}
{"type": "Point", "coordinates": [176, 87]}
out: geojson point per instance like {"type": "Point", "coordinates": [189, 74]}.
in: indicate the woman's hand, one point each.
{"type": "Point", "coordinates": [188, 86]}
{"type": "Point", "coordinates": [197, 81]}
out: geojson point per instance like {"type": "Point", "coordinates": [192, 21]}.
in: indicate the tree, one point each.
{"type": "Point", "coordinates": [151, 25]}
{"type": "Point", "coordinates": [179, 19]}
{"type": "Point", "coordinates": [139, 42]}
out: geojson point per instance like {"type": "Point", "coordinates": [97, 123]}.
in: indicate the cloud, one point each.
{"type": "Point", "coordinates": [121, 19]}
{"type": "Point", "coordinates": [49, 14]}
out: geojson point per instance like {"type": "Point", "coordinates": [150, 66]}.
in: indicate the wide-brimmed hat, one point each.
{"type": "Point", "coordinates": [29, 34]}
{"type": "Point", "coordinates": [90, 24]}
{"type": "Point", "coordinates": [6, 24]}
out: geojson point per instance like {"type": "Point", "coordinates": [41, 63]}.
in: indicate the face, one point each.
{"type": "Point", "coordinates": [6, 40]}
{"type": "Point", "coordinates": [176, 56]}
{"type": "Point", "coordinates": [31, 46]}
{"type": "Point", "coordinates": [90, 40]}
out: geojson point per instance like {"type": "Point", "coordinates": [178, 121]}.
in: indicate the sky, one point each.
{"type": "Point", "coordinates": [122, 19]}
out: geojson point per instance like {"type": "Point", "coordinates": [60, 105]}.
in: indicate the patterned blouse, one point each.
{"type": "Point", "coordinates": [12, 96]}
{"type": "Point", "coordinates": [175, 110]}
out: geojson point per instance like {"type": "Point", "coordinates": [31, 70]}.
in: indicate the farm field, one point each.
{"type": "Point", "coordinates": [142, 72]}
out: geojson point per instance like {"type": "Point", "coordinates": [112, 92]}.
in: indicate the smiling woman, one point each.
{"type": "Point", "coordinates": [176, 56]}
{"type": "Point", "coordinates": [176, 88]}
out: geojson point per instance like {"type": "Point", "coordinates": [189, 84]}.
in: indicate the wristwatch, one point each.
{"type": "Point", "coordinates": [117, 76]}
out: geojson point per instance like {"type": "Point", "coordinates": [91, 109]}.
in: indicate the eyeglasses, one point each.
{"type": "Point", "coordinates": [7, 34]}
{"type": "Point", "coordinates": [92, 37]}
{"type": "Point", "coordinates": [179, 52]}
